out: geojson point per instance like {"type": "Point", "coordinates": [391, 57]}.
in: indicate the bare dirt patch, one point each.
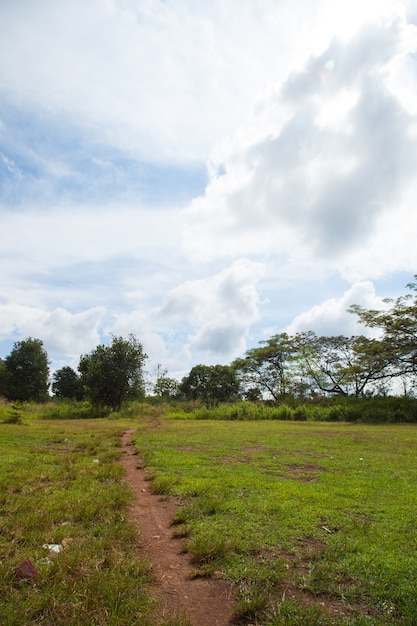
{"type": "Point", "coordinates": [305, 472]}
{"type": "Point", "coordinates": [179, 595]}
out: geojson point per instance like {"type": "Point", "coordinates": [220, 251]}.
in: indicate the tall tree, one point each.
{"type": "Point", "coordinates": [66, 383]}
{"type": "Point", "coordinates": [3, 378]}
{"type": "Point", "coordinates": [398, 326]}
{"type": "Point", "coordinates": [211, 384]}
{"type": "Point", "coordinates": [27, 371]}
{"type": "Point", "coordinates": [271, 367]}
{"type": "Point", "coordinates": [341, 365]}
{"type": "Point", "coordinates": [166, 387]}
{"type": "Point", "coordinates": [113, 373]}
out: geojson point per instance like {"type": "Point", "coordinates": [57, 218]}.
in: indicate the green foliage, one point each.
{"type": "Point", "coordinates": [70, 410]}
{"type": "Point", "coordinates": [398, 324]}
{"type": "Point", "coordinates": [391, 409]}
{"type": "Point", "coordinates": [27, 371]}
{"type": "Point", "coordinates": [166, 387]}
{"type": "Point", "coordinates": [269, 367]}
{"type": "Point", "coordinates": [305, 365]}
{"type": "Point", "coordinates": [287, 613]}
{"type": "Point", "coordinates": [15, 415]}
{"type": "Point", "coordinates": [67, 384]}
{"type": "Point", "coordinates": [113, 373]}
{"type": "Point", "coordinates": [211, 384]}
{"type": "Point", "coordinates": [3, 379]}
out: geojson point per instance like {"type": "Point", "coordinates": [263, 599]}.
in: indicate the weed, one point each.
{"type": "Point", "coordinates": [15, 415]}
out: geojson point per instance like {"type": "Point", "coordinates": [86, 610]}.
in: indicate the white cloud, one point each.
{"type": "Point", "coordinates": [162, 80]}
{"type": "Point", "coordinates": [61, 331]}
{"type": "Point", "coordinates": [315, 185]}
{"type": "Point", "coordinates": [109, 111]}
{"type": "Point", "coordinates": [220, 308]}
{"type": "Point", "coordinates": [331, 318]}
{"type": "Point", "coordinates": [159, 80]}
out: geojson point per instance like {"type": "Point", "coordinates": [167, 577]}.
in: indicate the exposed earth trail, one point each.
{"type": "Point", "coordinates": [180, 596]}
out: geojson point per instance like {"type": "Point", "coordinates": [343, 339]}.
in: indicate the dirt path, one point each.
{"type": "Point", "coordinates": [199, 601]}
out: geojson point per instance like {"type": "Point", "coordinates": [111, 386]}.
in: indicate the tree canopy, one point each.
{"type": "Point", "coordinates": [211, 384]}
{"type": "Point", "coordinates": [27, 371]}
{"type": "Point", "coordinates": [398, 326]}
{"type": "Point", "coordinates": [113, 373]}
{"type": "Point", "coordinates": [66, 383]}
{"type": "Point", "coordinates": [166, 387]}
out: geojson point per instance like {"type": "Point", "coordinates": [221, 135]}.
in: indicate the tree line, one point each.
{"type": "Point", "coordinates": [300, 366]}
{"type": "Point", "coordinates": [106, 376]}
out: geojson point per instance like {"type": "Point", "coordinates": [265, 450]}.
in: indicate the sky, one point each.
{"type": "Point", "coordinates": [203, 175]}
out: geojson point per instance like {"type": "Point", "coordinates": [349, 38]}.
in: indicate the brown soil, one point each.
{"type": "Point", "coordinates": [179, 595]}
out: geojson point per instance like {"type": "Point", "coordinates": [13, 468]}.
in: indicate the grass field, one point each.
{"type": "Point", "coordinates": [314, 522]}
{"type": "Point", "coordinates": [61, 483]}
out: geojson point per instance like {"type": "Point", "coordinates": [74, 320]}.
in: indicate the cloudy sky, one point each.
{"type": "Point", "coordinates": [203, 174]}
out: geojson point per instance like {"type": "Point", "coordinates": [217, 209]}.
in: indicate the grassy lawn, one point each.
{"type": "Point", "coordinates": [315, 522]}
{"type": "Point", "coordinates": [61, 483]}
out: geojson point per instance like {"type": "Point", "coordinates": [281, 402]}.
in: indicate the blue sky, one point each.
{"type": "Point", "coordinates": [203, 175]}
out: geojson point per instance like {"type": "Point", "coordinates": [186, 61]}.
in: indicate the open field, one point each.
{"type": "Point", "coordinates": [61, 483]}
{"type": "Point", "coordinates": [314, 522]}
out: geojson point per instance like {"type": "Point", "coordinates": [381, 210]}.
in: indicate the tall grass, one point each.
{"type": "Point", "coordinates": [363, 410]}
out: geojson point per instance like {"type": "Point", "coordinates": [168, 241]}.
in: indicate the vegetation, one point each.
{"type": "Point", "coordinates": [314, 522]}
{"type": "Point", "coordinates": [166, 387]}
{"type": "Point", "coordinates": [294, 468]}
{"type": "Point", "coordinates": [63, 507]}
{"type": "Point", "coordinates": [211, 384]}
{"type": "Point", "coordinates": [113, 373]}
{"type": "Point", "coordinates": [373, 410]}
{"type": "Point", "coordinates": [399, 327]}
{"type": "Point", "coordinates": [25, 372]}
{"type": "Point", "coordinates": [67, 384]}
{"type": "Point", "coordinates": [305, 365]}
{"type": "Point", "coordinates": [283, 368]}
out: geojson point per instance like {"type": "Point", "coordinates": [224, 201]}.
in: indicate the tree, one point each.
{"type": "Point", "coordinates": [398, 326]}
{"type": "Point", "coordinates": [211, 384]}
{"type": "Point", "coordinates": [67, 384]}
{"type": "Point", "coordinates": [166, 387]}
{"type": "Point", "coordinates": [304, 365]}
{"type": "Point", "coordinates": [341, 365]}
{"type": "Point", "coordinates": [113, 373]}
{"type": "Point", "coordinates": [272, 367]}
{"type": "Point", "coordinates": [3, 378]}
{"type": "Point", "coordinates": [152, 376]}
{"type": "Point", "coordinates": [27, 371]}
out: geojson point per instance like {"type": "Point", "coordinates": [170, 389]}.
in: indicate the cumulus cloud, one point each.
{"type": "Point", "coordinates": [331, 318]}
{"type": "Point", "coordinates": [333, 156]}
{"type": "Point", "coordinates": [61, 331]}
{"type": "Point", "coordinates": [109, 113]}
{"type": "Point", "coordinates": [222, 307]}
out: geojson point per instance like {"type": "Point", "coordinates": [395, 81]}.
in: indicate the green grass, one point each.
{"type": "Point", "coordinates": [61, 483]}
{"type": "Point", "coordinates": [315, 522]}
